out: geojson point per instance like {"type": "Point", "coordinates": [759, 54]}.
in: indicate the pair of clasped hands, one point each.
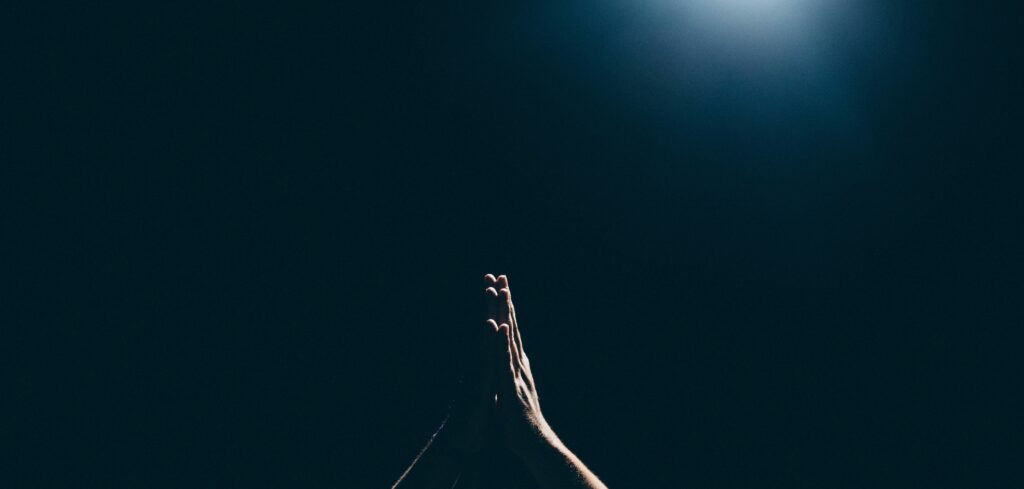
{"type": "Point", "coordinates": [498, 398]}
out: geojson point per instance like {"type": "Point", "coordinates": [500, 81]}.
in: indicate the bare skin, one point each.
{"type": "Point", "coordinates": [502, 392]}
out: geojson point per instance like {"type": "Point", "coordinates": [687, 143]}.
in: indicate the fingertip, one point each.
{"type": "Point", "coordinates": [503, 279]}
{"type": "Point", "coordinates": [489, 278]}
{"type": "Point", "coordinates": [501, 332]}
{"type": "Point", "coordinates": [491, 292]}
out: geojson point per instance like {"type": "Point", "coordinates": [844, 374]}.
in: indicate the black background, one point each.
{"type": "Point", "coordinates": [254, 240]}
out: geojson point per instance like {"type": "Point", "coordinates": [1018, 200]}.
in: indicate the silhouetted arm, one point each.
{"type": "Point", "coordinates": [554, 465]}
{"type": "Point", "coordinates": [441, 461]}
{"type": "Point", "coordinates": [525, 430]}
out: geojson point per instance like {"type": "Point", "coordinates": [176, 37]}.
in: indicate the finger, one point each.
{"type": "Point", "coordinates": [503, 284]}
{"type": "Point", "coordinates": [505, 343]}
{"type": "Point", "coordinates": [491, 282]}
{"type": "Point", "coordinates": [517, 338]}
{"type": "Point", "coordinates": [493, 325]}
{"type": "Point", "coordinates": [503, 311]}
{"type": "Point", "coordinates": [505, 316]}
{"type": "Point", "coordinates": [514, 321]}
{"type": "Point", "coordinates": [491, 303]}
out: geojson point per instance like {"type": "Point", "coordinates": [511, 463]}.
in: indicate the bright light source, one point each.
{"type": "Point", "coordinates": [761, 21]}
{"type": "Point", "coordinates": [749, 53]}
{"type": "Point", "coordinates": [753, 33]}
{"type": "Point", "coordinates": [753, 5]}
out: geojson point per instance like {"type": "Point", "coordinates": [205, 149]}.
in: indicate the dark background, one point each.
{"type": "Point", "coordinates": [250, 241]}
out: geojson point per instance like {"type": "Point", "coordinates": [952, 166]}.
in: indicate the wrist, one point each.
{"type": "Point", "coordinates": [550, 461]}
{"type": "Point", "coordinates": [542, 438]}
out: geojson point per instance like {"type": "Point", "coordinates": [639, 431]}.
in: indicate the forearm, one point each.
{"type": "Point", "coordinates": [439, 463]}
{"type": "Point", "coordinates": [553, 465]}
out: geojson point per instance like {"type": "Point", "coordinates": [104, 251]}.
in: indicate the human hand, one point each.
{"type": "Point", "coordinates": [519, 416]}
{"type": "Point", "coordinates": [472, 409]}
{"type": "Point", "coordinates": [498, 384]}
{"type": "Point", "coordinates": [443, 459]}
{"type": "Point", "coordinates": [521, 423]}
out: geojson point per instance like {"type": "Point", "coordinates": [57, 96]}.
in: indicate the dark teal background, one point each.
{"type": "Point", "coordinates": [251, 239]}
